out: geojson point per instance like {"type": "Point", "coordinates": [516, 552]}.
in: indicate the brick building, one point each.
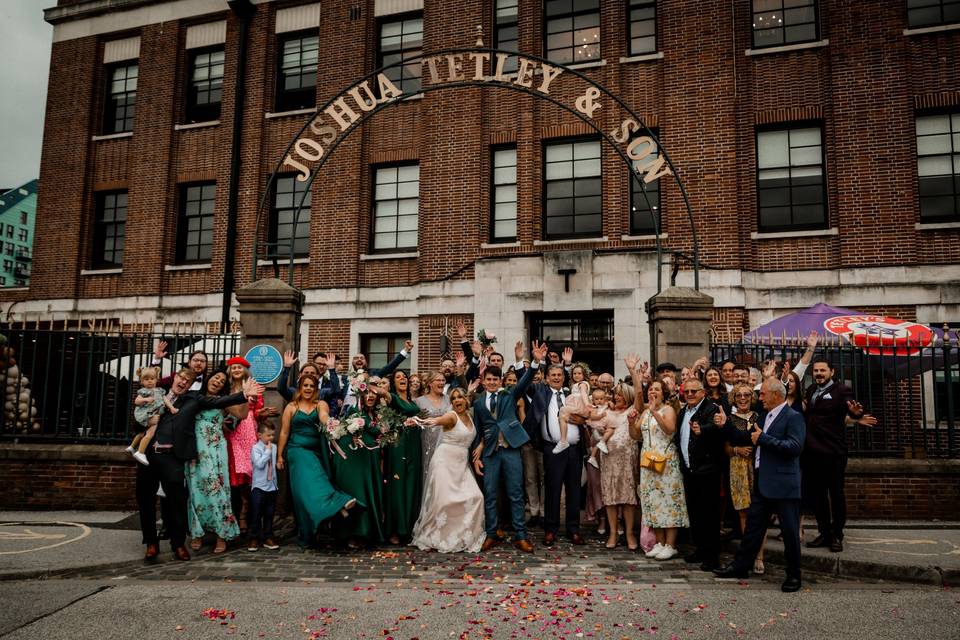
{"type": "Point", "coordinates": [819, 145]}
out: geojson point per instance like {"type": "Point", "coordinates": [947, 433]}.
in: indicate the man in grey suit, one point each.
{"type": "Point", "coordinates": [776, 482]}
{"type": "Point", "coordinates": [496, 448]}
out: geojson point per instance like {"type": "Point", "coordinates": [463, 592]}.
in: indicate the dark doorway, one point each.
{"type": "Point", "coordinates": [588, 333]}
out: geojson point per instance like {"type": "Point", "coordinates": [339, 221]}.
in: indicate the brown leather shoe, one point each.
{"type": "Point", "coordinates": [549, 539]}
{"type": "Point", "coordinates": [489, 543]}
{"type": "Point", "coordinates": [181, 553]}
{"type": "Point", "coordinates": [153, 550]}
{"type": "Point", "coordinates": [577, 539]}
{"type": "Point", "coordinates": [524, 545]}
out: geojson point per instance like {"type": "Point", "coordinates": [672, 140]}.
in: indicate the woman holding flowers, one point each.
{"type": "Point", "coordinates": [302, 449]}
{"type": "Point", "coordinates": [356, 464]}
{"type": "Point", "coordinates": [403, 467]}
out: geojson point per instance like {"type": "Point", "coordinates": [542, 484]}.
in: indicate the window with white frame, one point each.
{"type": "Point", "coordinates": [573, 202]}
{"type": "Point", "coordinates": [396, 207]}
{"type": "Point", "coordinates": [938, 166]}
{"type": "Point", "coordinates": [503, 165]}
{"type": "Point", "coordinates": [791, 188]}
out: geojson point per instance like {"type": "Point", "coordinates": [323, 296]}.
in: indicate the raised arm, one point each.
{"type": "Point", "coordinates": [396, 362]}
{"type": "Point", "coordinates": [807, 357]}
{"type": "Point", "coordinates": [539, 352]}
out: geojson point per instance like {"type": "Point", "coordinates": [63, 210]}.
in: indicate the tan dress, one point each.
{"type": "Point", "coordinates": [741, 469]}
{"type": "Point", "coordinates": [618, 469]}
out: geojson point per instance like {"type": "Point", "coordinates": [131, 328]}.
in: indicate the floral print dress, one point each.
{"type": "Point", "coordinates": [208, 481]}
{"type": "Point", "coordinates": [662, 499]}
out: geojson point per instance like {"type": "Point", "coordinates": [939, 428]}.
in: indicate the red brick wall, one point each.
{"type": "Point", "coordinates": [903, 489]}
{"type": "Point", "coordinates": [430, 329]}
{"type": "Point", "coordinates": [329, 336]}
{"type": "Point", "coordinates": [705, 95]}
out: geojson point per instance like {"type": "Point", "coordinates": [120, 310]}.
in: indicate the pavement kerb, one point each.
{"type": "Point", "coordinates": [46, 574]}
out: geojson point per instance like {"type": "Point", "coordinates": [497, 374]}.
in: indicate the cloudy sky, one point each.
{"type": "Point", "coordinates": [25, 54]}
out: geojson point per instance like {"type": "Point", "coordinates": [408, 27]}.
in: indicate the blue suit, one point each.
{"type": "Point", "coordinates": [502, 461]}
{"type": "Point", "coordinates": [776, 487]}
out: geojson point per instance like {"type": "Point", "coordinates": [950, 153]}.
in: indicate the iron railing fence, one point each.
{"type": "Point", "coordinates": [913, 391]}
{"type": "Point", "coordinates": [77, 384]}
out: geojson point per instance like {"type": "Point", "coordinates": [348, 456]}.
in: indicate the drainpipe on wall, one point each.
{"type": "Point", "coordinates": [244, 10]}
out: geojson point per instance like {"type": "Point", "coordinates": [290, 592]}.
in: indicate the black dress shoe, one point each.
{"type": "Point", "coordinates": [731, 571]}
{"type": "Point", "coordinates": [709, 566]}
{"type": "Point", "coordinates": [790, 585]}
{"type": "Point", "coordinates": [692, 558]}
{"type": "Point", "coordinates": [836, 546]}
{"type": "Point", "coordinates": [819, 541]}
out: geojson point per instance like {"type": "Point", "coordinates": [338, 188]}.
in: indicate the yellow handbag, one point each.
{"type": "Point", "coordinates": [653, 461]}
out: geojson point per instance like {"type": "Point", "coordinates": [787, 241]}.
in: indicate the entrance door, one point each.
{"type": "Point", "coordinates": [588, 333]}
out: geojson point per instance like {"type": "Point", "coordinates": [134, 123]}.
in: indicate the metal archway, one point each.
{"type": "Point", "coordinates": [366, 114]}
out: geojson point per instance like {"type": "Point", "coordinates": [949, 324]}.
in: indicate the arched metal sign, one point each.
{"type": "Point", "coordinates": [323, 132]}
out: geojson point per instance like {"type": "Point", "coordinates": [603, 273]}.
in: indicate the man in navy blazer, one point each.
{"type": "Point", "coordinates": [776, 486]}
{"type": "Point", "coordinates": [496, 448]}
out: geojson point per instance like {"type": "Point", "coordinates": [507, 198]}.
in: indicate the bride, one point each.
{"type": "Point", "coordinates": [451, 514]}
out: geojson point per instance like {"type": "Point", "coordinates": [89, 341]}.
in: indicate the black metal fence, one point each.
{"type": "Point", "coordinates": [75, 385]}
{"type": "Point", "coordinates": [913, 391]}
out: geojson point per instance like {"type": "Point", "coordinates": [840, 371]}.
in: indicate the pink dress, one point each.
{"type": "Point", "coordinates": [240, 442]}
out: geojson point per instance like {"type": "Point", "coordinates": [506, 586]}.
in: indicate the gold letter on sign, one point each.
{"type": "Point", "coordinates": [325, 131]}
{"type": "Point", "coordinates": [585, 104]}
{"type": "Point", "coordinates": [626, 127]}
{"type": "Point", "coordinates": [654, 169]}
{"type": "Point", "coordinates": [388, 90]}
{"type": "Point", "coordinates": [525, 73]}
{"type": "Point", "coordinates": [367, 103]}
{"type": "Point", "coordinates": [649, 147]}
{"type": "Point", "coordinates": [455, 68]}
{"type": "Point", "coordinates": [299, 166]}
{"type": "Point", "coordinates": [478, 59]}
{"type": "Point", "coordinates": [550, 74]}
{"type": "Point", "coordinates": [345, 116]}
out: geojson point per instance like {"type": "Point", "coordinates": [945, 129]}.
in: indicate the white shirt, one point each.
{"type": "Point", "coordinates": [771, 416]}
{"type": "Point", "coordinates": [550, 427]}
{"type": "Point", "coordinates": [820, 392]}
{"type": "Point", "coordinates": [685, 431]}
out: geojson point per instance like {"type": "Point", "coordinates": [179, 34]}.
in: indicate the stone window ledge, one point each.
{"type": "Point", "coordinates": [263, 263]}
{"type": "Point", "coordinates": [794, 234]}
{"type": "Point", "coordinates": [548, 243]}
{"type": "Point", "coordinates": [587, 65]}
{"type": "Point", "coordinates": [187, 267]}
{"type": "Point", "coordinates": [284, 114]}
{"type": "Point", "coordinates": [389, 256]}
{"type": "Point", "coordinates": [651, 236]}
{"type": "Point", "coordinates": [196, 125]}
{"type": "Point", "coordinates": [647, 57]}
{"type": "Point", "coordinates": [112, 136]}
{"type": "Point", "coordinates": [936, 29]}
{"type": "Point", "coordinates": [787, 48]}
{"type": "Point", "coordinates": [101, 272]}
{"type": "Point", "coordinates": [934, 226]}
{"type": "Point", "coordinates": [499, 245]}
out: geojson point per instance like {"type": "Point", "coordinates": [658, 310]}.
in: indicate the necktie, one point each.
{"type": "Point", "coordinates": [816, 395]}
{"type": "Point", "coordinates": [559, 400]}
{"type": "Point", "coordinates": [269, 467]}
{"type": "Point", "coordinates": [493, 404]}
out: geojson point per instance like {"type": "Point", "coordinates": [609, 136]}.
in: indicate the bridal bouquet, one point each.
{"type": "Point", "coordinates": [486, 339]}
{"type": "Point", "coordinates": [389, 423]}
{"type": "Point", "coordinates": [355, 425]}
{"type": "Point", "coordinates": [334, 429]}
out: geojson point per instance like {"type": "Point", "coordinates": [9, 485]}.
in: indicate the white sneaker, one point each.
{"type": "Point", "coordinates": [593, 462]}
{"type": "Point", "coordinates": [142, 459]}
{"type": "Point", "coordinates": [561, 447]}
{"type": "Point", "coordinates": [130, 450]}
{"type": "Point", "coordinates": [666, 553]}
{"type": "Point", "coordinates": [657, 548]}
{"type": "Point", "coordinates": [602, 446]}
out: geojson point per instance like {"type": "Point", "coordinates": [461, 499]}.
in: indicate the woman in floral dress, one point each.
{"type": "Point", "coordinates": [618, 468]}
{"type": "Point", "coordinates": [208, 485]}
{"type": "Point", "coordinates": [662, 499]}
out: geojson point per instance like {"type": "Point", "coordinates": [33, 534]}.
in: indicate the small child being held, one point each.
{"type": "Point", "coordinates": [578, 403]}
{"type": "Point", "coordinates": [148, 406]}
{"type": "Point", "coordinates": [600, 430]}
{"type": "Point", "coordinates": [263, 492]}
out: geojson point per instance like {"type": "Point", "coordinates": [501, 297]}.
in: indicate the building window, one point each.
{"type": "Point", "coordinates": [22, 235]}
{"type": "Point", "coordinates": [643, 27]}
{"type": "Point", "coordinates": [297, 72]}
{"type": "Point", "coordinates": [643, 209]}
{"type": "Point", "coordinates": [287, 193]}
{"type": "Point", "coordinates": [3, 281]}
{"type": "Point", "coordinates": [780, 22]}
{"type": "Point", "coordinates": [8, 265]}
{"type": "Point", "coordinates": [10, 249]}
{"type": "Point", "coordinates": [938, 166]}
{"type": "Point", "coordinates": [205, 92]}
{"type": "Point", "coordinates": [23, 217]}
{"type": "Point", "coordinates": [506, 36]}
{"type": "Point", "coordinates": [121, 98]}
{"type": "Point", "coordinates": [791, 190]}
{"type": "Point", "coordinates": [928, 13]}
{"type": "Point", "coordinates": [504, 194]}
{"type": "Point", "coordinates": [381, 348]}
{"type": "Point", "coordinates": [195, 222]}
{"type": "Point", "coordinates": [573, 202]}
{"type": "Point", "coordinates": [108, 231]}
{"type": "Point", "coordinates": [402, 40]}
{"type": "Point", "coordinates": [10, 231]}
{"type": "Point", "coordinates": [573, 30]}
{"type": "Point", "coordinates": [396, 207]}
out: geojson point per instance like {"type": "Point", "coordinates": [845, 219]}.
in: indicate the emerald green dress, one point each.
{"type": "Point", "coordinates": [359, 475]}
{"type": "Point", "coordinates": [403, 475]}
{"type": "Point", "coordinates": [315, 499]}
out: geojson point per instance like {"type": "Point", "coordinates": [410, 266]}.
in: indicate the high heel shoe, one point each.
{"type": "Point", "coordinates": [632, 544]}
{"type": "Point", "coordinates": [615, 538]}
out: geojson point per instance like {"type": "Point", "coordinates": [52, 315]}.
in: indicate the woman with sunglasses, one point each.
{"type": "Point", "coordinates": [742, 418]}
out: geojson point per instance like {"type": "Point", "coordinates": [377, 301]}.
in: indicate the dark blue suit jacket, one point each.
{"type": "Point", "coordinates": [780, 449]}
{"type": "Point", "coordinates": [506, 422]}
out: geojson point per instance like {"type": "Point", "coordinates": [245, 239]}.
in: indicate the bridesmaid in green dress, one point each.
{"type": "Point", "coordinates": [302, 449]}
{"type": "Point", "coordinates": [358, 472]}
{"type": "Point", "coordinates": [208, 476]}
{"type": "Point", "coordinates": [403, 468]}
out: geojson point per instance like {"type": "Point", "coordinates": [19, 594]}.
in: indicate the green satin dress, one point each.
{"type": "Point", "coordinates": [315, 499]}
{"type": "Point", "coordinates": [359, 475]}
{"type": "Point", "coordinates": [403, 475]}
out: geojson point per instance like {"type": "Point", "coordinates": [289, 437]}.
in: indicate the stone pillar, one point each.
{"type": "Point", "coordinates": [270, 312]}
{"type": "Point", "coordinates": [680, 319]}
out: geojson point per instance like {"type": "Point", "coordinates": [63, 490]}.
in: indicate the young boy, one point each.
{"type": "Point", "coordinates": [263, 493]}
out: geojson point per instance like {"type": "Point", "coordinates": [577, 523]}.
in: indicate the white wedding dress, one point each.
{"type": "Point", "coordinates": [451, 514]}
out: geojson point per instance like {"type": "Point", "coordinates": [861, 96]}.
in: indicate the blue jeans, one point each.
{"type": "Point", "coordinates": [262, 505]}
{"type": "Point", "coordinates": [505, 462]}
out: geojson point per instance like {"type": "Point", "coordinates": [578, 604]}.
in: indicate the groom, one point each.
{"type": "Point", "coordinates": [496, 448]}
